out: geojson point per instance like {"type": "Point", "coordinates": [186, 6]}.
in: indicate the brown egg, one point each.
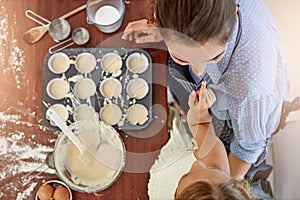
{"type": "Point", "coordinates": [45, 192]}
{"type": "Point", "coordinates": [61, 193]}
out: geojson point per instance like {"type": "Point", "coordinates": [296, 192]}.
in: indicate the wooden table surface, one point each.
{"type": "Point", "coordinates": [24, 139]}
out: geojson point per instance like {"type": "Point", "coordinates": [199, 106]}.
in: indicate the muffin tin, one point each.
{"type": "Point", "coordinates": [75, 74]}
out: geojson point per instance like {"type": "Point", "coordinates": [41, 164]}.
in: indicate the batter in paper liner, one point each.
{"type": "Point", "coordinates": [85, 63]}
{"type": "Point", "coordinates": [58, 88]}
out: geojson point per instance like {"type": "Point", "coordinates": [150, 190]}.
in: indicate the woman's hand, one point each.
{"type": "Point", "coordinates": [199, 102]}
{"type": "Point", "coordinates": [142, 32]}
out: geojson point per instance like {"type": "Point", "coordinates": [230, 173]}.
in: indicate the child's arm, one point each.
{"type": "Point", "coordinates": [199, 103]}
{"type": "Point", "coordinates": [211, 150]}
{"type": "Point", "coordinates": [199, 120]}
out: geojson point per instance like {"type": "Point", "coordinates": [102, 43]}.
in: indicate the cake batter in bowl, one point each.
{"type": "Point", "coordinates": [105, 167]}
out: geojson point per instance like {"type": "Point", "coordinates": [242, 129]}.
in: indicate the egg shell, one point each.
{"type": "Point", "coordinates": [61, 193]}
{"type": "Point", "coordinates": [45, 192]}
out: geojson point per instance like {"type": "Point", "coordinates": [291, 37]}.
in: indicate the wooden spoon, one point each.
{"type": "Point", "coordinates": [36, 33]}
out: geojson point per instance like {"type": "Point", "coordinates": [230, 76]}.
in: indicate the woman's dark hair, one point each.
{"type": "Point", "coordinates": [200, 20]}
{"type": "Point", "coordinates": [229, 190]}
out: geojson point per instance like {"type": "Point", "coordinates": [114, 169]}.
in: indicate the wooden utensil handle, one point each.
{"type": "Point", "coordinates": [73, 12]}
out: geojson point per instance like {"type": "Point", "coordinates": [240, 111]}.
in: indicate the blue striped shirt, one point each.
{"type": "Point", "coordinates": [252, 90]}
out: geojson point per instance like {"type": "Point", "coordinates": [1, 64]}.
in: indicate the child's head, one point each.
{"type": "Point", "coordinates": [203, 182]}
{"type": "Point", "coordinates": [230, 190]}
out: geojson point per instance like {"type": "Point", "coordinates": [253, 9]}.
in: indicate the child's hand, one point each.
{"type": "Point", "coordinates": [199, 102]}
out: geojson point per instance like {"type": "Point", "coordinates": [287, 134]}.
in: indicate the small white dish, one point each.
{"type": "Point", "coordinates": [137, 114]}
{"type": "Point", "coordinates": [137, 88]}
{"type": "Point", "coordinates": [58, 88]}
{"type": "Point", "coordinates": [85, 88]}
{"type": "Point", "coordinates": [111, 87]}
{"type": "Point", "coordinates": [137, 63]}
{"type": "Point", "coordinates": [59, 63]}
{"type": "Point", "coordinates": [85, 63]}
{"type": "Point", "coordinates": [111, 114]}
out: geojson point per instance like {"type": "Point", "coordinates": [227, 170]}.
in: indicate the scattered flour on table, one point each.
{"type": "Point", "coordinates": [21, 157]}
{"type": "Point", "coordinates": [26, 157]}
{"type": "Point", "coordinates": [16, 119]}
{"type": "Point", "coordinates": [9, 48]}
{"type": "Point", "coordinates": [27, 192]}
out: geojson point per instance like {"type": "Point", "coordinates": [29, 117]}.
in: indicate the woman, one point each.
{"type": "Point", "coordinates": [236, 48]}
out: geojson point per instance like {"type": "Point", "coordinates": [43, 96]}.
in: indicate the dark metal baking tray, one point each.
{"type": "Point", "coordinates": [98, 75]}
